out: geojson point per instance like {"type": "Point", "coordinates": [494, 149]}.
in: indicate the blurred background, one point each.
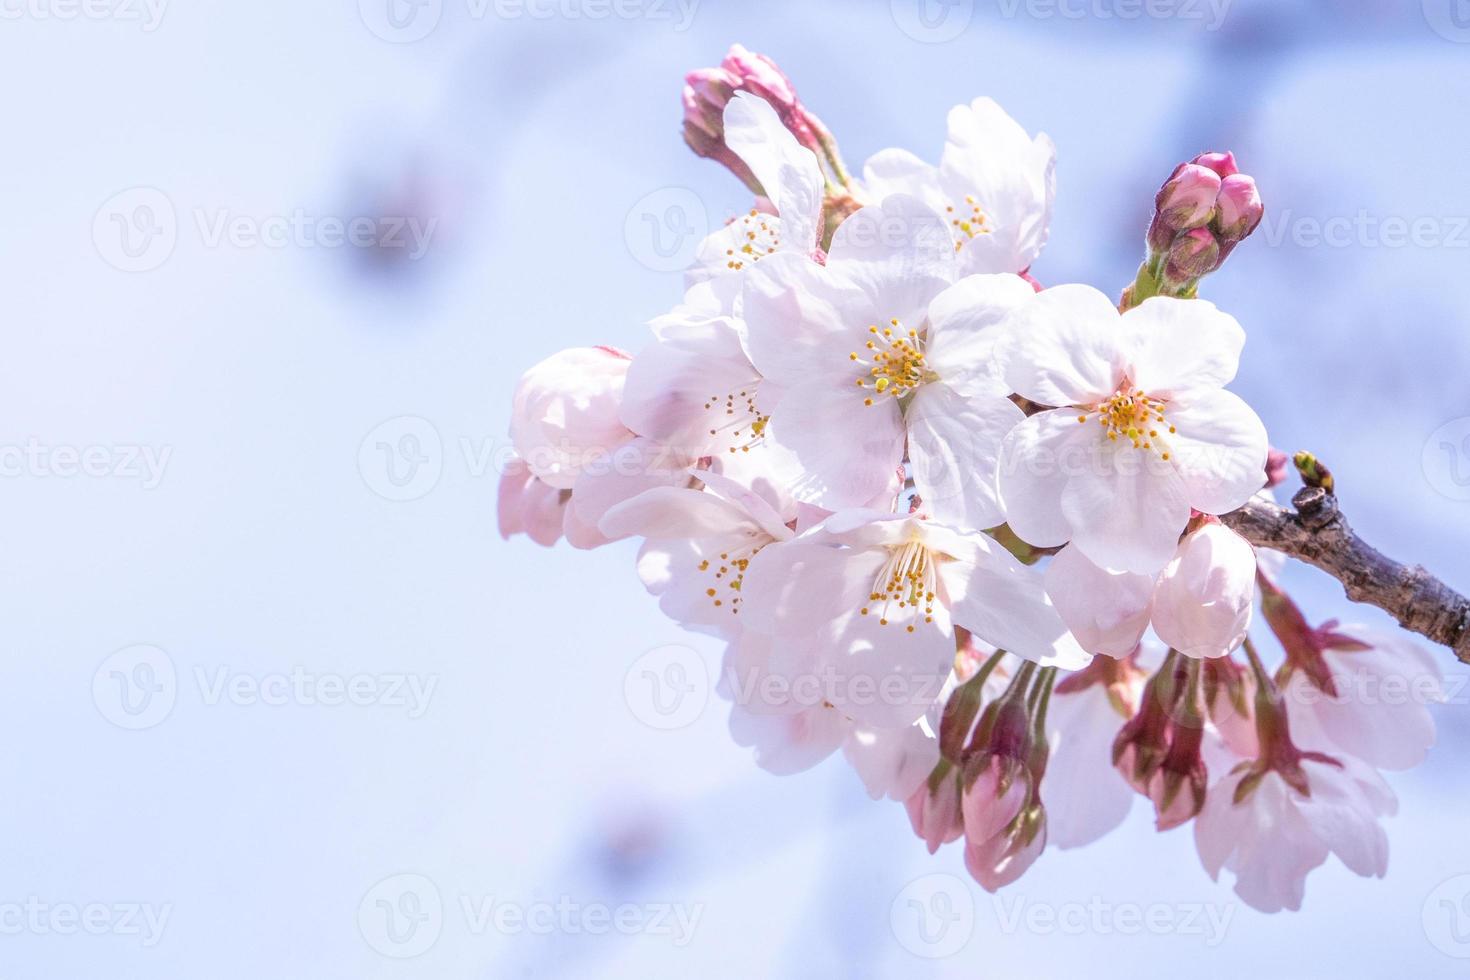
{"type": "Point", "coordinates": [278, 700]}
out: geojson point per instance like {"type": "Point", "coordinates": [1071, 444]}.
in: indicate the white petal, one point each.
{"type": "Point", "coordinates": [1064, 347]}
{"type": "Point", "coordinates": [1264, 840]}
{"type": "Point", "coordinates": [892, 763]}
{"type": "Point", "coordinates": [1004, 603]}
{"type": "Point", "coordinates": [639, 465]}
{"type": "Point", "coordinates": [802, 321]}
{"type": "Point", "coordinates": [965, 328]}
{"type": "Point", "coordinates": [989, 157]}
{"type": "Point", "coordinates": [899, 253]}
{"type": "Point", "coordinates": [788, 172]}
{"type": "Point", "coordinates": [802, 587]}
{"type": "Point", "coordinates": [1128, 512]}
{"type": "Point", "coordinates": [954, 453]}
{"type": "Point", "coordinates": [850, 451]}
{"type": "Point", "coordinates": [1182, 344]}
{"type": "Point", "coordinates": [895, 171]}
{"type": "Point", "coordinates": [1342, 811]}
{"type": "Point", "coordinates": [1085, 796]}
{"type": "Point", "coordinates": [528, 506]}
{"type": "Point", "coordinates": [1381, 711]}
{"type": "Point", "coordinates": [1220, 450]}
{"type": "Point", "coordinates": [1107, 611]}
{"type": "Point", "coordinates": [884, 675]}
{"type": "Point", "coordinates": [786, 744]}
{"type": "Point", "coordinates": [1036, 460]}
{"type": "Point", "coordinates": [674, 512]}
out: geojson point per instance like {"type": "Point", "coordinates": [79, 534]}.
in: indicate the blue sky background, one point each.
{"type": "Point", "coordinates": [270, 542]}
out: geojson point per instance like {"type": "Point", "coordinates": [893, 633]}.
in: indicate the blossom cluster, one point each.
{"type": "Point", "coordinates": [963, 529]}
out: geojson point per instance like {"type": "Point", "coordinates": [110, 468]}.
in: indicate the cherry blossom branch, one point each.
{"type": "Point", "coordinates": [1318, 534]}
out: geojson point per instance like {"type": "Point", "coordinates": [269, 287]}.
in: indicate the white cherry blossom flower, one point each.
{"type": "Point", "coordinates": [1274, 837]}
{"type": "Point", "coordinates": [874, 599]}
{"type": "Point", "coordinates": [1378, 710]}
{"type": "Point", "coordinates": [994, 185]}
{"type": "Point", "coordinates": [1143, 432]}
{"type": "Point", "coordinates": [1200, 604]}
{"type": "Point", "coordinates": [877, 351]}
{"type": "Point", "coordinates": [793, 182]}
{"type": "Point", "coordinates": [700, 543]}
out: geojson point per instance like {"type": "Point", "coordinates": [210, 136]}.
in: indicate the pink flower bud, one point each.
{"type": "Point", "coordinates": [708, 90]}
{"type": "Point", "coordinates": [1240, 209]}
{"type": "Point", "coordinates": [1222, 163]}
{"type": "Point", "coordinates": [1204, 597]}
{"type": "Point", "coordinates": [995, 797]}
{"type": "Point", "coordinates": [1194, 254]}
{"type": "Point", "coordinates": [1000, 859]}
{"type": "Point", "coordinates": [757, 74]}
{"type": "Point", "coordinates": [1187, 199]}
{"type": "Point", "coordinates": [1278, 465]}
{"type": "Point", "coordinates": [934, 811]}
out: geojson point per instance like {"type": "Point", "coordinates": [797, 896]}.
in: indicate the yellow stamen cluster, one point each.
{"type": "Point", "coordinates": [757, 240]}
{"type": "Point", "coordinates": [1131, 414]}
{"type": "Point", "coordinates": [744, 423]}
{"type": "Point", "coordinates": [908, 579]}
{"type": "Point", "coordinates": [729, 574]}
{"type": "Point", "coordinates": [967, 223]}
{"type": "Point", "coordinates": [894, 359]}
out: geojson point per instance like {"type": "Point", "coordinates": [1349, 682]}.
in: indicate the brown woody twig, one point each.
{"type": "Point", "coordinates": [1317, 533]}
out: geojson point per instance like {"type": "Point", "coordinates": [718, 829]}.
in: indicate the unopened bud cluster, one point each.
{"type": "Point", "coordinates": [1204, 210]}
